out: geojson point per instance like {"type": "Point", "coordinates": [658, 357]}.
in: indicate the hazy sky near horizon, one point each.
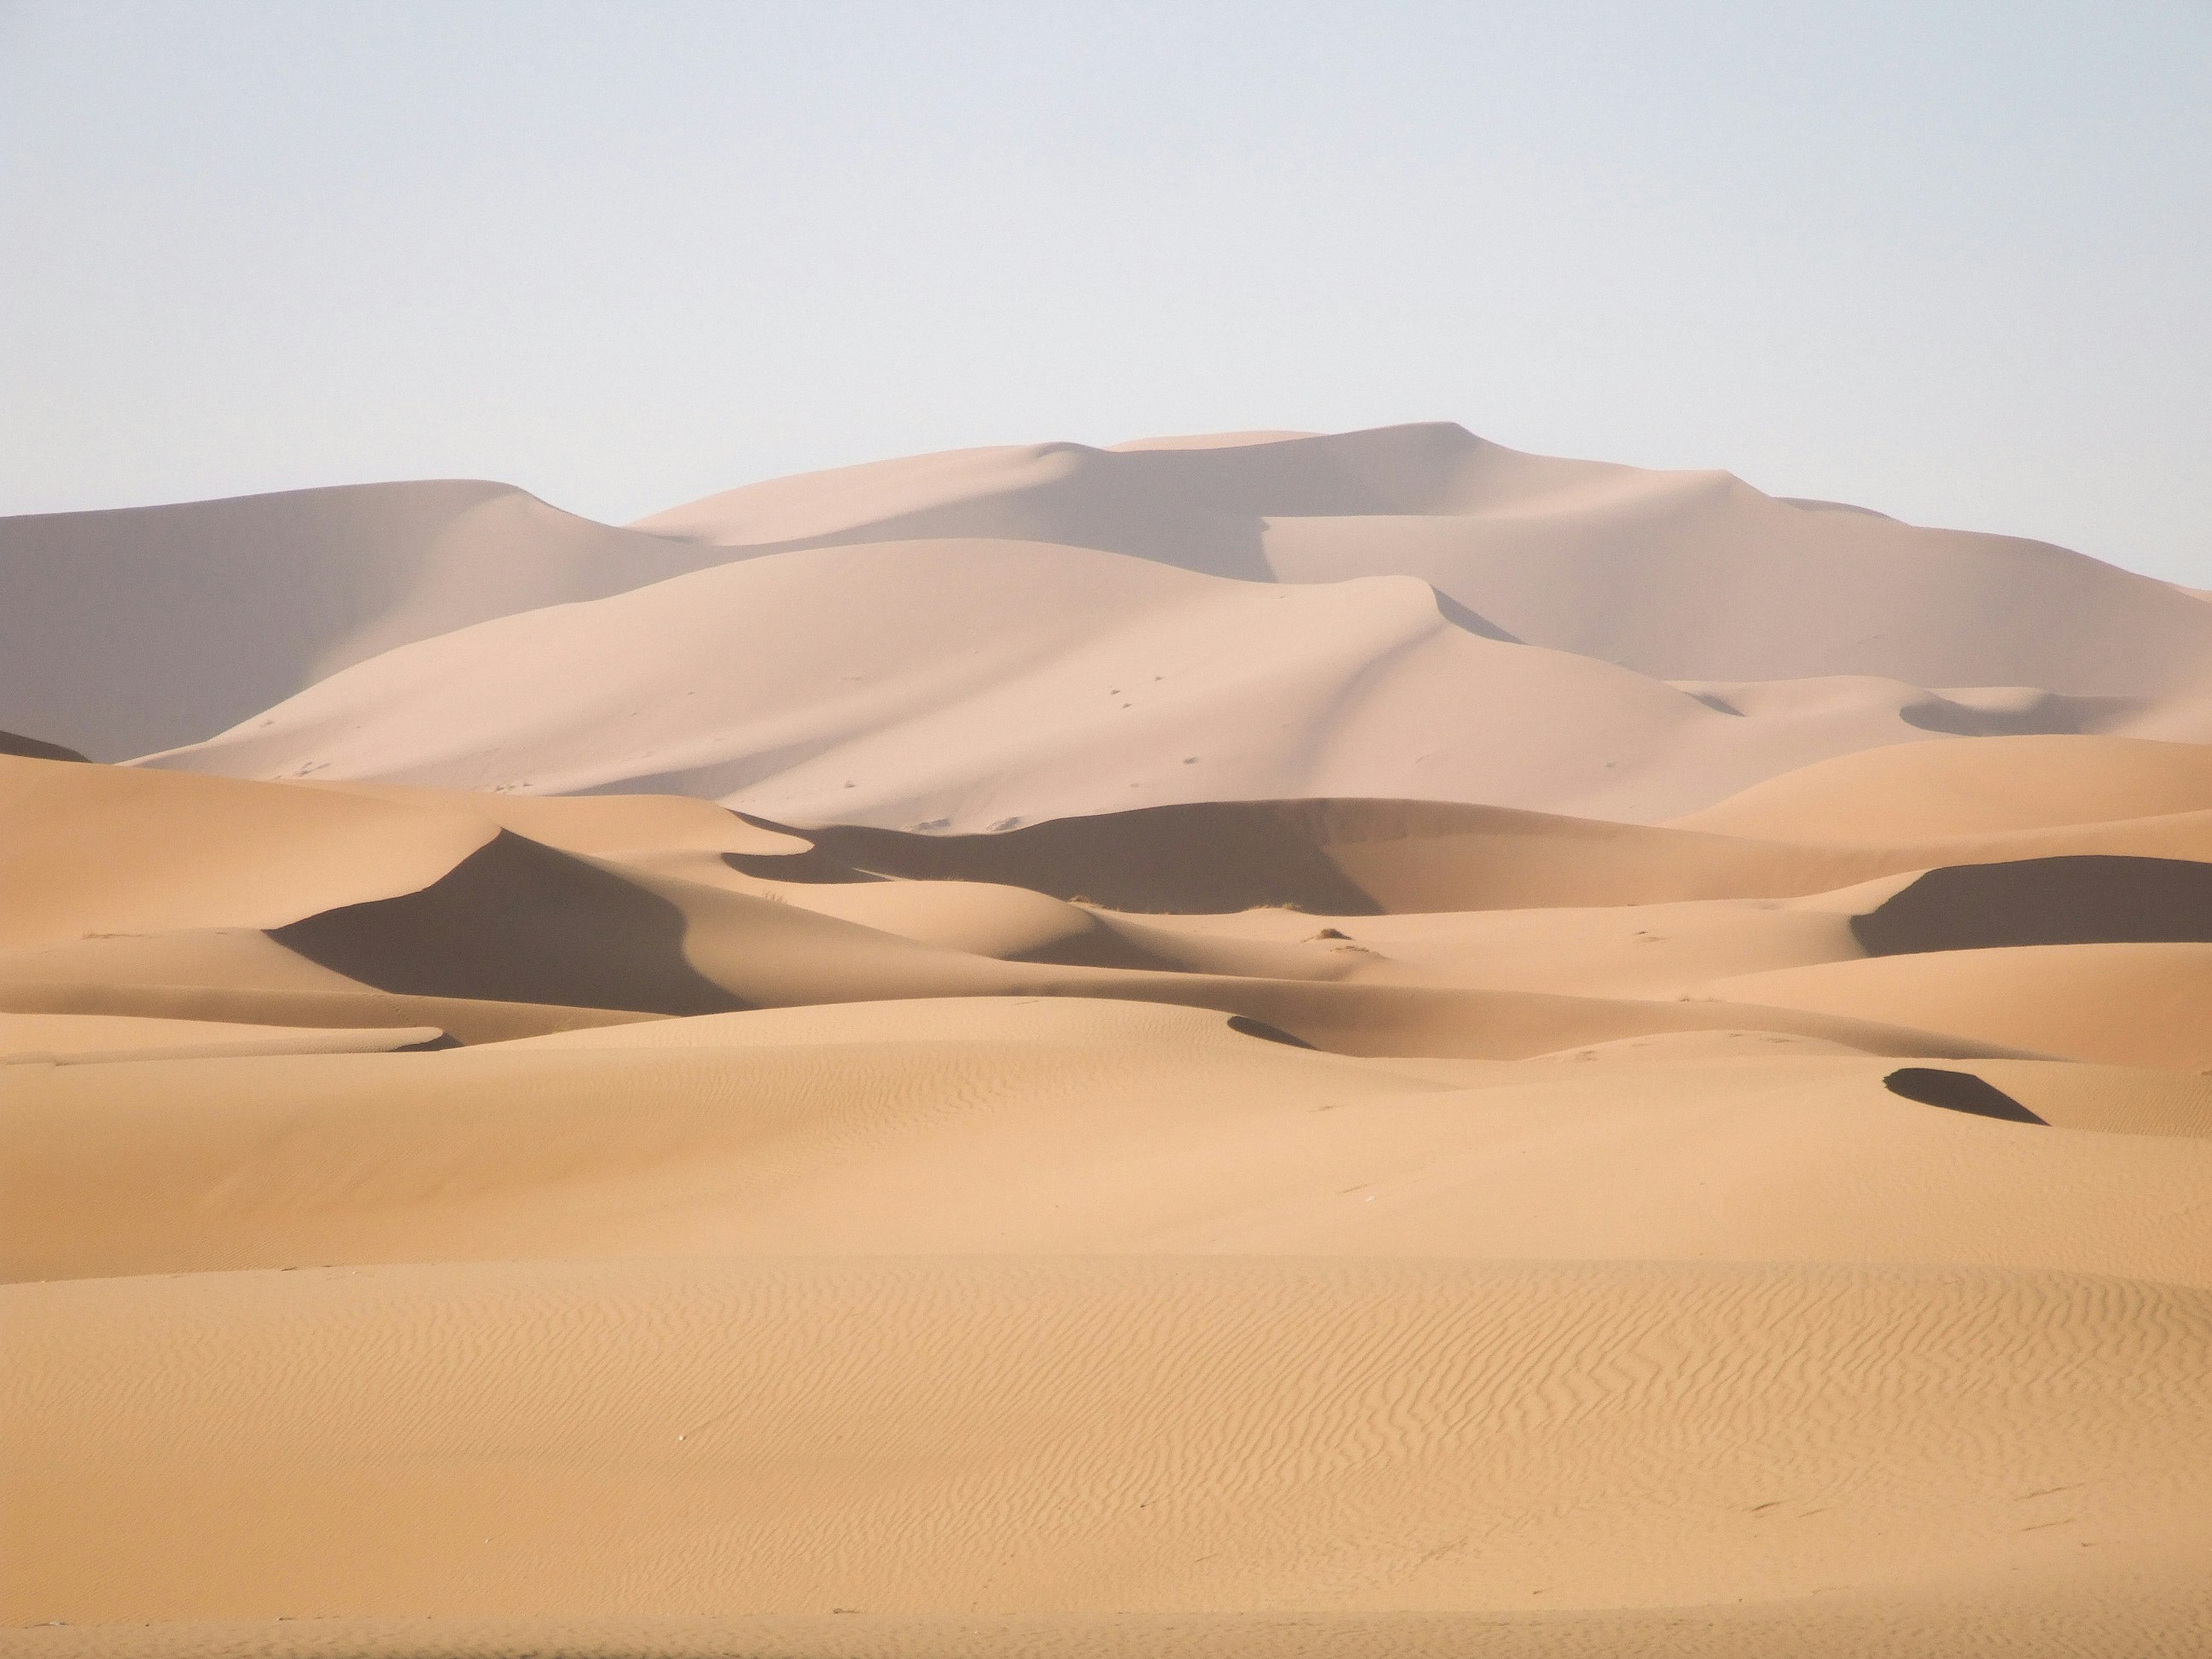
{"type": "Point", "coordinates": [1950, 261]}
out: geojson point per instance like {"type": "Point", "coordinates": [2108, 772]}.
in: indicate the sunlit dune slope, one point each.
{"type": "Point", "coordinates": [1986, 787]}
{"type": "Point", "coordinates": [1679, 575]}
{"type": "Point", "coordinates": [1019, 634]}
{"type": "Point", "coordinates": [1102, 1436]}
{"type": "Point", "coordinates": [1059, 1126]}
{"type": "Point", "coordinates": [979, 683]}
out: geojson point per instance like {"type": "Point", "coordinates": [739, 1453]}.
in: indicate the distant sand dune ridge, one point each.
{"type": "Point", "coordinates": [1029, 633]}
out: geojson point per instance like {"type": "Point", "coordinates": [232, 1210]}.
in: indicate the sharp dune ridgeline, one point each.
{"type": "Point", "coordinates": [1230, 1047]}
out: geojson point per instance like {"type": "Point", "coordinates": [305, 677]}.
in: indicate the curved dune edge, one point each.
{"type": "Point", "coordinates": [2116, 1004]}
{"type": "Point", "coordinates": [1076, 1126]}
{"type": "Point", "coordinates": [1993, 785]}
{"type": "Point", "coordinates": [1364, 857]}
{"type": "Point", "coordinates": [1029, 632]}
{"type": "Point", "coordinates": [648, 907]}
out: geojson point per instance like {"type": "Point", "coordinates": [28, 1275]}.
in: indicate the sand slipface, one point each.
{"type": "Point", "coordinates": [1245, 1046]}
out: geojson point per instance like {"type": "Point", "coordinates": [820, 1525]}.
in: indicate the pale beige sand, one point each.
{"type": "Point", "coordinates": [89, 1039]}
{"type": "Point", "coordinates": [2127, 1004]}
{"type": "Point", "coordinates": [512, 922]}
{"type": "Point", "coordinates": [1679, 575]}
{"type": "Point", "coordinates": [86, 850]}
{"type": "Point", "coordinates": [1018, 635]}
{"type": "Point", "coordinates": [2159, 1618]}
{"type": "Point", "coordinates": [1255, 1224]}
{"type": "Point", "coordinates": [976, 683]}
{"type": "Point", "coordinates": [1990, 787]}
{"type": "Point", "coordinates": [980, 681]}
{"type": "Point", "coordinates": [130, 630]}
{"type": "Point", "coordinates": [1348, 857]}
{"type": "Point", "coordinates": [1060, 1127]}
{"type": "Point", "coordinates": [910, 1436]}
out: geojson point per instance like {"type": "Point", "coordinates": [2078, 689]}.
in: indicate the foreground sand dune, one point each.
{"type": "Point", "coordinates": [1395, 1049]}
{"type": "Point", "coordinates": [905, 1436]}
{"type": "Point", "coordinates": [1059, 1126]}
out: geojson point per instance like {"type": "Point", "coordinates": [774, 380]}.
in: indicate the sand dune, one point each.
{"type": "Point", "coordinates": [981, 684]}
{"type": "Point", "coordinates": [95, 1039]}
{"type": "Point", "coordinates": [2142, 1614]}
{"type": "Point", "coordinates": [1053, 1127]}
{"type": "Point", "coordinates": [2061, 901]}
{"type": "Point", "coordinates": [1362, 857]}
{"type": "Point", "coordinates": [1001, 1436]}
{"type": "Point", "coordinates": [1998, 785]}
{"type": "Point", "coordinates": [1359, 1045]}
{"type": "Point", "coordinates": [470, 919]}
{"type": "Point", "coordinates": [86, 850]}
{"type": "Point", "coordinates": [2127, 1004]}
{"type": "Point", "coordinates": [351, 1008]}
{"type": "Point", "coordinates": [977, 684]}
{"type": "Point", "coordinates": [133, 631]}
{"type": "Point", "coordinates": [1674, 574]}
{"type": "Point", "coordinates": [991, 637]}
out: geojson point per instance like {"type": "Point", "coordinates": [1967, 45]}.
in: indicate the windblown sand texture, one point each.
{"type": "Point", "coordinates": [1274, 1045]}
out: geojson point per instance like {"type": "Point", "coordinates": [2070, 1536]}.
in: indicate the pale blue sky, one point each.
{"type": "Point", "coordinates": [1952, 261]}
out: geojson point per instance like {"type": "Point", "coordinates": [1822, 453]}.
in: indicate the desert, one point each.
{"type": "Point", "coordinates": [1360, 1043]}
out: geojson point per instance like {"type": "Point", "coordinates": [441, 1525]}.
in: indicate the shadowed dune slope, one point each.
{"type": "Point", "coordinates": [13, 743]}
{"type": "Point", "coordinates": [1336, 858]}
{"type": "Point", "coordinates": [2064, 900]}
{"type": "Point", "coordinates": [516, 922]}
{"type": "Point", "coordinates": [127, 631]}
{"type": "Point", "coordinates": [1362, 857]}
{"type": "Point", "coordinates": [469, 915]}
{"type": "Point", "coordinates": [1958, 1091]}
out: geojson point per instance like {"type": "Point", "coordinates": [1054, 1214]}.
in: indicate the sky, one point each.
{"type": "Point", "coordinates": [1950, 261]}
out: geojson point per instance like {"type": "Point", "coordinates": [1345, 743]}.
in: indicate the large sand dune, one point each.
{"type": "Point", "coordinates": [1679, 575]}
{"type": "Point", "coordinates": [136, 629]}
{"type": "Point", "coordinates": [904, 1437]}
{"type": "Point", "coordinates": [976, 684]}
{"type": "Point", "coordinates": [1360, 1045]}
{"type": "Point", "coordinates": [1018, 635]}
